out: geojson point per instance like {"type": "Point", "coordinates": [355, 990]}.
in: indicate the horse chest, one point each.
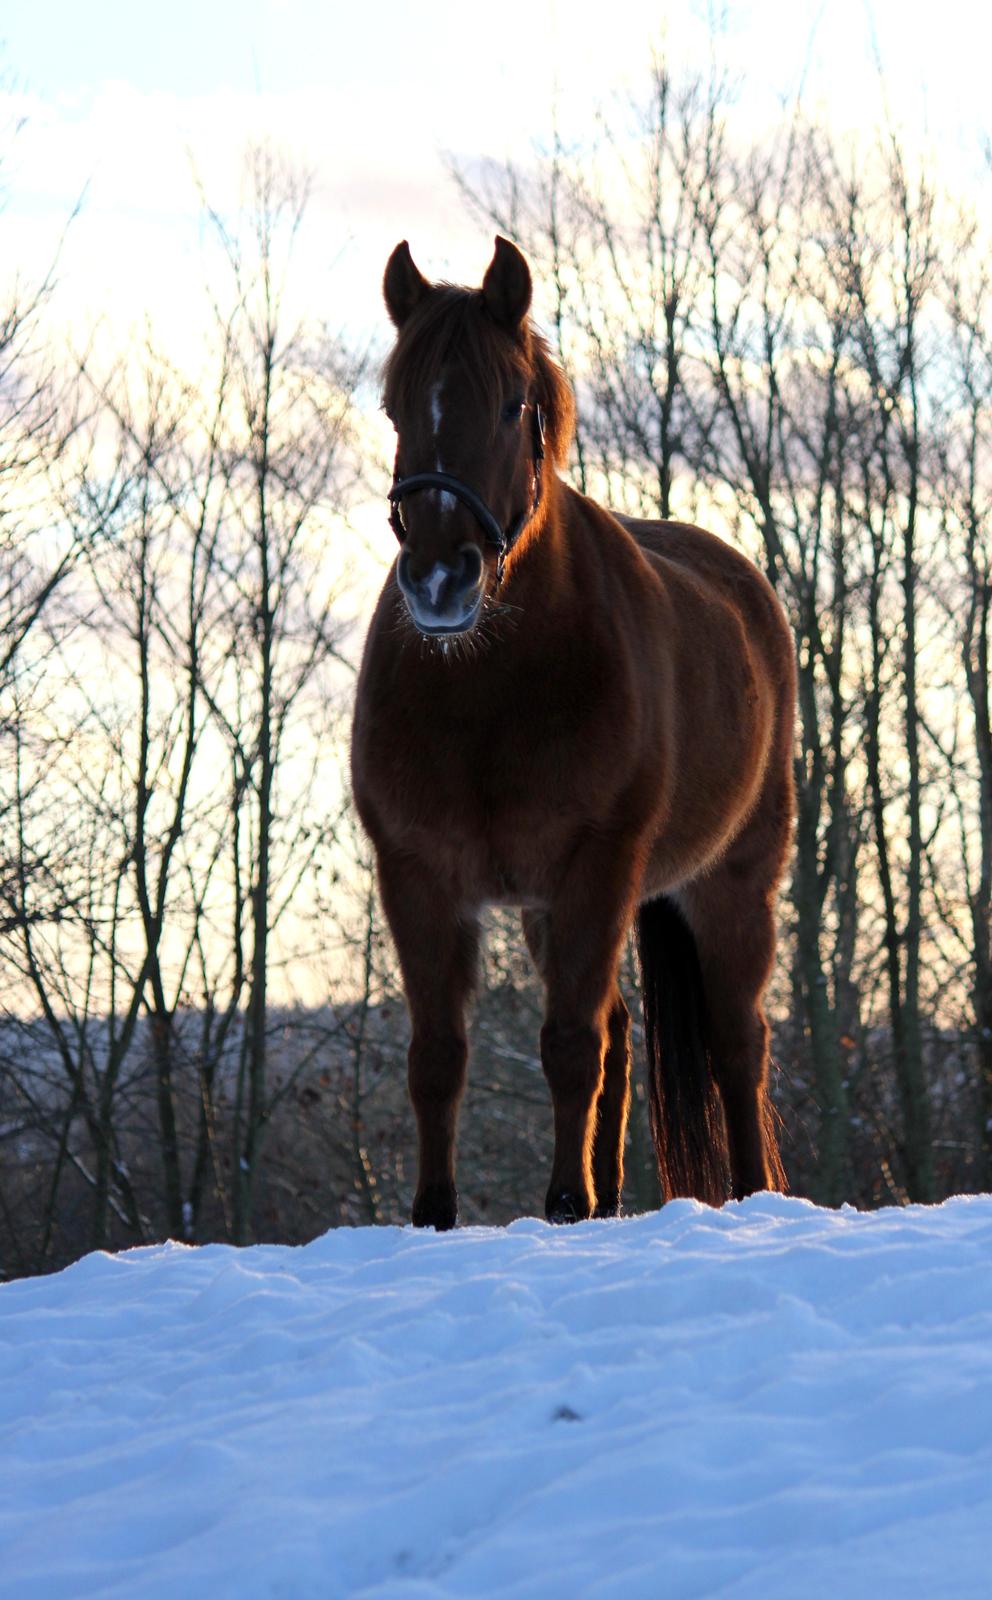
{"type": "Point", "coordinates": [492, 800]}
{"type": "Point", "coordinates": [494, 772]}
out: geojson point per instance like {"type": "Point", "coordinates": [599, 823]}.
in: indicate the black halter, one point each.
{"type": "Point", "coordinates": [502, 538]}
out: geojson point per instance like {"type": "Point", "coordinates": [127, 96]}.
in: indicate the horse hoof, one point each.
{"type": "Point", "coordinates": [609, 1206]}
{"type": "Point", "coordinates": [436, 1206]}
{"type": "Point", "coordinates": [566, 1207]}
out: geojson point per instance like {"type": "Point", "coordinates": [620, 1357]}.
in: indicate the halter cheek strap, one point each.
{"type": "Point", "coordinates": [503, 539]}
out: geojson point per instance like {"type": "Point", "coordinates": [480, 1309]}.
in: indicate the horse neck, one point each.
{"type": "Point", "coordinates": [542, 568]}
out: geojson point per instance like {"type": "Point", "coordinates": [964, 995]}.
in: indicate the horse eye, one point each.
{"type": "Point", "coordinates": [513, 409]}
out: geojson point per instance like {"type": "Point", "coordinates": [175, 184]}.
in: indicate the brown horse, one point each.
{"type": "Point", "coordinates": [585, 716]}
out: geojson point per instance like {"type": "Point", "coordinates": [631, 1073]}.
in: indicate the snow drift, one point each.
{"type": "Point", "coordinates": [767, 1400]}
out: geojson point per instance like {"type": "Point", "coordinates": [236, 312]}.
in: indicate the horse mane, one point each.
{"type": "Point", "coordinates": [454, 322]}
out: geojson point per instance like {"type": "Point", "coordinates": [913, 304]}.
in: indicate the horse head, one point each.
{"type": "Point", "coordinates": [473, 395]}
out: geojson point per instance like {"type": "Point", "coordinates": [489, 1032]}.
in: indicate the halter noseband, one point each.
{"type": "Point", "coordinates": [503, 539]}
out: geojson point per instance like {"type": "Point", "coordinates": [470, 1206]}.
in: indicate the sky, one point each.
{"type": "Point", "coordinates": [120, 102]}
{"type": "Point", "coordinates": [120, 108]}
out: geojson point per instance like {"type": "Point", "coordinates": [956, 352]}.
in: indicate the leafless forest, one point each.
{"type": "Point", "coordinates": [201, 1035]}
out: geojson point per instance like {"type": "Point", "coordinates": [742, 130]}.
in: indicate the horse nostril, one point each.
{"type": "Point", "coordinates": [470, 565]}
{"type": "Point", "coordinates": [414, 582]}
{"type": "Point", "coordinates": [403, 576]}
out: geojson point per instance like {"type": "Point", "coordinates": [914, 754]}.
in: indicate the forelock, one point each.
{"type": "Point", "coordinates": [451, 328]}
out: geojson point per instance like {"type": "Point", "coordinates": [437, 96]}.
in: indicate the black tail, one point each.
{"type": "Point", "coordinates": [686, 1111]}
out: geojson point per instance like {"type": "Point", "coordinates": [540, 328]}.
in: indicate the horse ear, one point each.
{"type": "Point", "coordinates": [403, 286]}
{"type": "Point", "coordinates": [506, 287]}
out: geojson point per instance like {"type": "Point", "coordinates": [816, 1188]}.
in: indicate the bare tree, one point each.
{"type": "Point", "coordinates": [891, 280]}
{"type": "Point", "coordinates": [198, 649]}
{"type": "Point", "coordinates": [289, 467]}
{"type": "Point", "coordinates": [963, 486]}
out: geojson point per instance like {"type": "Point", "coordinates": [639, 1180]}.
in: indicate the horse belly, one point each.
{"type": "Point", "coordinates": [717, 790]}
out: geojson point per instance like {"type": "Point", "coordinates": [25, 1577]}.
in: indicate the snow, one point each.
{"type": "Point", "coordinates": [768, 1400]}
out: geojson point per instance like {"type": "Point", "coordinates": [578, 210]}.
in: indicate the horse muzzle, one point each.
{"type": "Point", "coordinates": [446, 599]}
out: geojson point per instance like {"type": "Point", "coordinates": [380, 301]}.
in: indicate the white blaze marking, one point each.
{"type": "Point", "coordinates": [446, 501]}
{"type": "Point", "coordinates": [435, 580]}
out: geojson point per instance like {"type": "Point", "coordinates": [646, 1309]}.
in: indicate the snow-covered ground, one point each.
{"type": "Point", "coordinates": [769, 1400]}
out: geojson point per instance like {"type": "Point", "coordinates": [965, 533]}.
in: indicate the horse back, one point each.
{"type": "Point", "coordinates": [685, 555]}
{"type": "Point", "coordinates": [733, 711]}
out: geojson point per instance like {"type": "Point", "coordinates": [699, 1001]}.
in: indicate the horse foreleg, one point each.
{"type": "Point", "coordinates": [584, 1038]}
{"type": "Point", "coordinates": [613, 1103]}
{"type": "Point", "coordinates": [437, 943]}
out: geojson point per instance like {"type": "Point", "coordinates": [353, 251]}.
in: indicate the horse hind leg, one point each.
{"type": "Point", "coordinates": [740, 1056]}
{"type": "Point", "coordinates": [733, 923]}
